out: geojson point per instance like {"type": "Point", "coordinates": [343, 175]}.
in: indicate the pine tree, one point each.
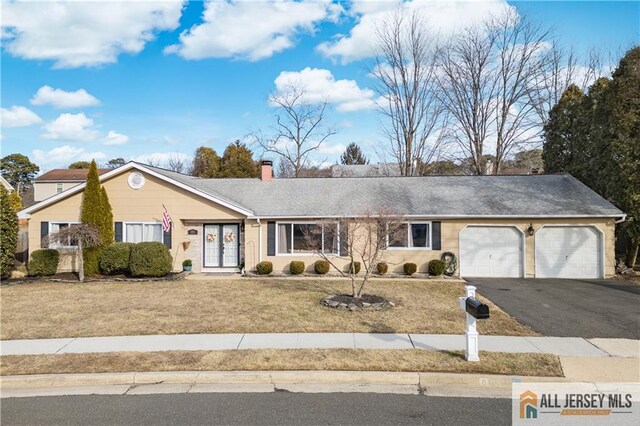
{"type": "Point", "coordinates": [353, 155]}
{"type": "Point", "coordinates": [206, 163]}
{"type": "Point", "coordinates": [8, 232]}
{"type": "Point", "coordinates": [96, 211]}
{"type": "Point", "coordinates": [623, 168]}
{"type": "Point", "coordinates": [237, 162]}
{"type": "Point", "coordinates": [562, 132]}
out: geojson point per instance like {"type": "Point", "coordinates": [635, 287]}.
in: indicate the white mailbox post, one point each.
{"type": "Point", "coordinates": [474, 311]}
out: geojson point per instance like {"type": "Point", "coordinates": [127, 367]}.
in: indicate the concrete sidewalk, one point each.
{"type": "Point", "coordinates": [562, 346]}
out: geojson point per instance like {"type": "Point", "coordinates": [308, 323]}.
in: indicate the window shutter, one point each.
{"type": "Point", "coordinates": [271, 238]}
{"type": "Point", "coordinates": [166, 237]}
{"type": "Point", "coordinates": [44, 232]}
{"type": "Point", "coordinates": [118, 232]}
{"type": "Point", "coordinates": [435, 236]}
{"type": "Point", "coordinates": [344, 244]}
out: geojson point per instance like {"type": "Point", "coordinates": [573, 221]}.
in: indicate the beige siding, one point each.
{"type": "Point", "coordinates": [44, 190]}
{"type": "Point", "coordinates": [142, 205]}
{"type": "Point", "coordinates": [450, 230]}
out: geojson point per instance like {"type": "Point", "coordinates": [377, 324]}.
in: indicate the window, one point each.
{"type": "Point", "coordinates": [55, 227]}
{"type": "Point", "coordinates": [307, 238]}
{"type": "Point", "coordinates": [58, 187]}
{"type": "Point", "coordinates": [412, 235]}
{"type": "Point", "coordinates": [142, 232]}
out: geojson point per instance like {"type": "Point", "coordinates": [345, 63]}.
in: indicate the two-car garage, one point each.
{"type": "Point", "coordinates": [559, 251]}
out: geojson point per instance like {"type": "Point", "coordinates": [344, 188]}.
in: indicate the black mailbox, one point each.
{"type": "Point", "coordinates": [476, 309]}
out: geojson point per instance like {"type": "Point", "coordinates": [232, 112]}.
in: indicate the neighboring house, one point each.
{"type": "Point", "coordinates": [59, 180]}
{"type": "Point", "coordinates": [365, 170]}
{"type": "Point", "coordinates": [6, 184]}
{"type": "Point", "coordinates": [498, 226]}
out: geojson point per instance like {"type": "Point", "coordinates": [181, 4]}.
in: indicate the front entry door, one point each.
{"type": "Point", "coordinates": [221, 245]}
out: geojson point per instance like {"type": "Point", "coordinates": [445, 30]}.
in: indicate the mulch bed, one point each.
{"type": "Point", "coordinates": [72, 277]}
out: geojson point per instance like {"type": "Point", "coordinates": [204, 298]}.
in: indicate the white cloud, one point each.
{"type": "Point", "coordinates": [331, 149]}
{"type": "Point", "coordinates": [444, 18]}
{"type": "Point", "coordinates": [82, 33]}
{"type": "Point", "coordinates": [63, 156]}
{"type": "Point", "coordinates": [71, 127]}
{"type": "Point", "coordinates": [115, 138]}
{"type": "Point", "coordinates": [47, 95]}
{"type": "Point", "coordinates": [18, 116]}
{"type": "Point", "coordinates": [251, 30]}
{"type": "Point", "coordinates": [320, 85]}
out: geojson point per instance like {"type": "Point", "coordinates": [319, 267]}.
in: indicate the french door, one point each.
{"type": "Point", "coordinates": [221, 245]}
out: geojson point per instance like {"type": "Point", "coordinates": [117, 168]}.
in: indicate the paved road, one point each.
{"type": "Point", "coordinates": [249, 409]}
{"type": "Point", "coordinates": [578, 308]}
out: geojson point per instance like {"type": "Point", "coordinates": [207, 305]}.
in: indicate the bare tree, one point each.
{"type": "Point", "coordinates": [362, 239]}
{"type": "Point", "coordinates": [176, 163]}
{"type": "Point", "coordinates": [405, 73]}
{"type": "Point", "coordinates": [300, 128]}
{"type": "Point", "coordinates": [487, 77]}
{"type": "Point", "coordinates": [81, 235]}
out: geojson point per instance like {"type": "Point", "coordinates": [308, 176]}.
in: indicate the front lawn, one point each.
{"type": "Point", "coordinates": [49, 309]}
{"type": "Point", "coordinates": [285, 359]}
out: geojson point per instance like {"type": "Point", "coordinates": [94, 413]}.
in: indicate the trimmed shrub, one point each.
{"type": "Point", "coordinates": [321, 267]}
{"type": "Point", "coordinates": [43, 262]}
{"type": "Point", "coordinates": [410, 268]}
{"type": "Point", "coordinates": [354, 268]}
{"type": "Point", "coordinates": [187, 262]}
{"type": "Point", "coordinates": [436, 267]}
{"type": "Point", "coordinates": [296, 267]}
{"type": "Point", "coordinates": [382, 268]}
{"type": "Point", "coordinates": [264, 268]}
{"type": "Point", "coordinates": [114, 259]}
{"type": "Point", "coordinates": [150, 259]}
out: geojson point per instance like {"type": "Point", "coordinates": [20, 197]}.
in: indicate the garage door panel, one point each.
{"type": "Point", "coordinates": [568, 252]}
{"type": "Point", "coordinates": [490, 252]}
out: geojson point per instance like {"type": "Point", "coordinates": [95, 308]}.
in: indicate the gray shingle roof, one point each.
{"type": "Point", "coordinates": [430, 196]}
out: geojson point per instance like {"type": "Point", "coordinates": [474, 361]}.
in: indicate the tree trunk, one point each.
{"type": "Point", "coordinates": [80, 261]}
{"type": "Point", "coordinates": [632, 253]}
{"type": "Point", "coordinates": [353, 285]}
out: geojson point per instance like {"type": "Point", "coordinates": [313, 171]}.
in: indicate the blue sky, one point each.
{"type": "Point", "coordinates": [119, 80]}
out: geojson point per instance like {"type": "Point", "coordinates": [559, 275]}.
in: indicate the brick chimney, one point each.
{"type": "Point", "coordinates": [267, 170]}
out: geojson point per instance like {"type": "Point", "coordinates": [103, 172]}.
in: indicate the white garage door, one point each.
{"type": "Point", "coordinates": [568, 252]}
{"type": "Point", "coordinates": [491, 251]}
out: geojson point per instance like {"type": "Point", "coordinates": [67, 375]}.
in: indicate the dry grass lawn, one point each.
{"type": "Point", "coordinates": [49, 309]}
{"type": "Point", "coordinates": [285, 359]}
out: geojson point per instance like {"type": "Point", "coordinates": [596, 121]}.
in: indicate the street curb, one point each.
{"type": "Point", "coordinates": [276, 378]}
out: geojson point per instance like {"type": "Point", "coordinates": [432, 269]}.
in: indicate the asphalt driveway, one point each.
{"type": "Point", "coordinates": [568, 308]}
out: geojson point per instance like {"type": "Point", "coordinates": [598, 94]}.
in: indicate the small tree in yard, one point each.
{"type": "Point", "coordinates": [83, 235]}
{"type": "Point", "coordinates": [362, 239]}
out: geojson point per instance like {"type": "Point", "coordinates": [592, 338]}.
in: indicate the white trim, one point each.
{"type": "Point", "coordinates": [523, 245]}
{"type": "Point", "coordinates": [412, 248]}
{"type": "Point", "coordinates": [133, 222]}
{"type": "Point", "coordinates": [445, 216]}
{"type": "Point", "coordinates": [601, 244]}
{"type": "Point", "coordinates": [24, 214]}
{"type": "Point", "coordinates": [306, 254]}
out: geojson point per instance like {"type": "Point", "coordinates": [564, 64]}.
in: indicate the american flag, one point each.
{"type": "Point", "coordinates": [166, 220]}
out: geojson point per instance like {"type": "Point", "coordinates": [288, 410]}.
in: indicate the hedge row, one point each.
{"type": "Point", "coordinates": [296, 267]}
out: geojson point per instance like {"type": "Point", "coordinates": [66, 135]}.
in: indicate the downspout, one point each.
{"type": "Point", "coordinates": [259, 240]}
{"type": "Point", "coordinates": [622, 219]}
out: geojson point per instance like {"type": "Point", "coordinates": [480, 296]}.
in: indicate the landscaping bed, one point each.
{"type": "Point", "coordinates": [56, 309]}
{"type": "Point", "coordinates": [520, 364]}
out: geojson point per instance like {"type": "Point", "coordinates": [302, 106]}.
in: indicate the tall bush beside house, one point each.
{"type": "Point", "coordinates": [150, 259]}
{"type": "Point", "coordinates": [8, 234]}
{"type": "Point", "coordinates": [96, 211]}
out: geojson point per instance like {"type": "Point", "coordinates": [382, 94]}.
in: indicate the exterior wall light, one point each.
{"type": "Point", "coordinates": [531, 230]}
